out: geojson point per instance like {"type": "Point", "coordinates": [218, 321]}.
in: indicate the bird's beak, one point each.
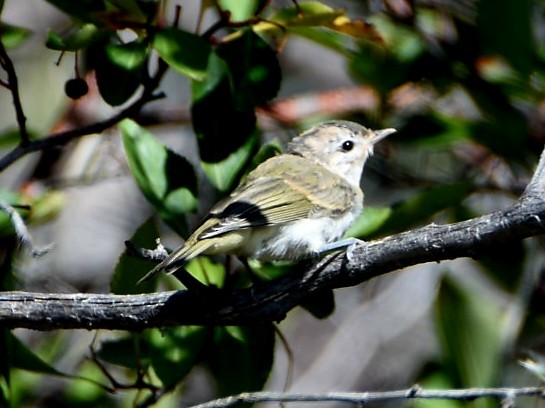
{"type": "Point", "coordinates": [381, 134]}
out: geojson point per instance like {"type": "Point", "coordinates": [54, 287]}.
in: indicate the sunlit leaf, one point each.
{"type": "Point", "coordinates": [83, 37]}
{"type": "Point", "coordinates": [130, 56]}
{"type": "Point", "coordinates": [13, 36]}
{"type": "Point", "coordinates": [185, 52]}
{"type": "Point", "coordinates": [370, 220]}
{"type": "Point", "coordinates": [167, 179]}
{"type": "Point", "coordinates": [116, 84]}
{"type": "Point", "coordinates": [223, 174]}
{"type": "Point", "coordinates": [240, 10]}
{"type": "Point", "coordinates": [207, 271]}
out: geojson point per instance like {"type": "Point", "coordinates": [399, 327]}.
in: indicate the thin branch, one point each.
{"type": "Point", "coordinates": [58, 139]}
{"type": "Point", "coordinates": [416, 392]}
{"type": "Point", "coordinates": [273, 300]}
{"type": "Point", "coordinates": [13, 85]}
{"type": "Point", "coordinates": [62, 138]}
{"type": "Point", "coordinates": [21, 231]}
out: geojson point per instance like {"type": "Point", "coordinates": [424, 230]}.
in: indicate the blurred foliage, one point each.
{"type": "Point", "coordinates": [463, 82]}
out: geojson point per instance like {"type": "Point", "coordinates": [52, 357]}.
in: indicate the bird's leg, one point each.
{"type": "Point", "coordinates": [348, 243]}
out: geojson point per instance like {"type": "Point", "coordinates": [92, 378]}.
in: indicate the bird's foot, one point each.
{"type": "Point", "coordinates": [349, 244]}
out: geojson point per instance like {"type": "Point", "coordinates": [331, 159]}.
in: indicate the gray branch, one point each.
{"type": "Point", "coordinates": [271, 301]}
{"type": "Point", "coordinates": [416, 392]}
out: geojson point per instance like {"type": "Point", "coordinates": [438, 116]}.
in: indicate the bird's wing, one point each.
{"type": "Point", "coordinates": [267, 201]}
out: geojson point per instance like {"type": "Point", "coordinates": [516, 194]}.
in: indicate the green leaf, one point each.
{"type": "Point", "coordinates": [6, 226]}
{"type": "Point", "coordinates": [436, 380]}
{"type": "Point", "coordinates": [127, 351]}
{"type": "Point", "coordinates": [469, 334]}
{"type": "Point", "coordinates": [505, 28]}
{"type": "Point", "coordinates": [223, 174]}
{"type": "Point", "coordinates": [115, 82]}
{"type": "Point", "coordinates": [175, 351]}
{"type": "Point", "coordinates": [83, 37]}
{"type": "Point", "coordinates": [13, 36]}
{"type": "Point", "coordinates": [130, 56]}
{"type": "Point", "coordinates": [309, 13]}
{"type": "Point", "coordinates": [241, 357]}
{"type": "Point", "coordinates": [254, 71]}
{"type": "Point", "coordinates": [414, 210]}
{"type": "Point", "coordinates": [25, 359]}
{"type": "Point", "coordinates": [207, 271]}
{"type": "Point", "coordinates": [220, 126]}
{"type": "Point", "coordinates": [185, 52]}
{"type": "Point", "coordinates": [239, 10]}
{"type": "Point", "coordinates": [167, 179]}
{"type": "Point", "coordinates": [370, 221]}
{"type": "Point", "coordinates": [130, 269]}
{"type": "Point", "coordinates": [83, 10]}
{"type": "Point", "coordinates": [320, 304]}
{"type": "Point", "coordinates": [336, 41]}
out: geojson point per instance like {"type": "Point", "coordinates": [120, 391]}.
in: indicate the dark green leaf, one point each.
{"type": "Point", "coordinates": [185, 52]}
{"type": "Point", "coordinates": [175, 352]}
{"type": "Point", "coordinates": [320, 304]}
{"type": "Point", "coordinates": [221, 128]}
{"type": "Point", "coordinates": [23, 358]}
{"type": "Point", "coordinates": [83, 10]}
{"type": "Point", "coordinates": [265, 152]}
{"type": "Point", "coordinates": [469, 333]}
{"type": "Point", "coordinates": [83, 37]}
{"type": "Point", "coordinates": [129, 351]}
{"type": "Point", "coordinates": [505, 28]}
{"type": "Point", "coordinates": [115, 83]}
{"type": "Point", "coordinates": [241, 357]}
{"type": "Point", "coordinates": [254, 70]}
{"type": "Point", "coordinates": [130, 269]}
{"type": "Point", "coordinates": [410, 212]}
{"type": "Point", "coordinates": [13, 36]}
{"type": "Point", "coordinates": [167, 179]}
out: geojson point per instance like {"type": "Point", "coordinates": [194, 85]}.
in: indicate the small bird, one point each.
{"type": "Point", "coordinates": [294, 205]}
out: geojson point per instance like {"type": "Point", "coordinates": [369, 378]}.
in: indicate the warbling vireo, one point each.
{"type": "Point", "coordinates": [292, 206]}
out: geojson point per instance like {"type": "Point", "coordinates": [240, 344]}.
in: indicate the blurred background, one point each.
{"type": "Point", "coordinates": [462, 81]}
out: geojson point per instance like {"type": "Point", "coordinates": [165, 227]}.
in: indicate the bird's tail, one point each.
{"type": "Point", "coordinates": [178, 259]}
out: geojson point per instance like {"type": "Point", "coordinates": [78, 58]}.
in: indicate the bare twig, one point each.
{"type": "Point", "coordinates": [58, 139]}
{"type": "Point", "coordinates": [21, 231]}
{"type": "Point", "coordinates": [13, 85]}
{"type": "Point", "coordinates": [157, 254]}
{"type": "Point", "coordinates": [61, 138]}
{"type": "Point", "coordinates": [469, 394]}
{"type": "Point", "coordinates": [271, 301]}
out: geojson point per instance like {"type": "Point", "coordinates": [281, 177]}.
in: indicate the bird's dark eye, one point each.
{"type": "Point", "coordinates": [347, 145]}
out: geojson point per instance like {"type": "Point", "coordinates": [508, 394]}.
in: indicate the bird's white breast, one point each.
{"type": "Point", "coordinates": [297, 240]}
